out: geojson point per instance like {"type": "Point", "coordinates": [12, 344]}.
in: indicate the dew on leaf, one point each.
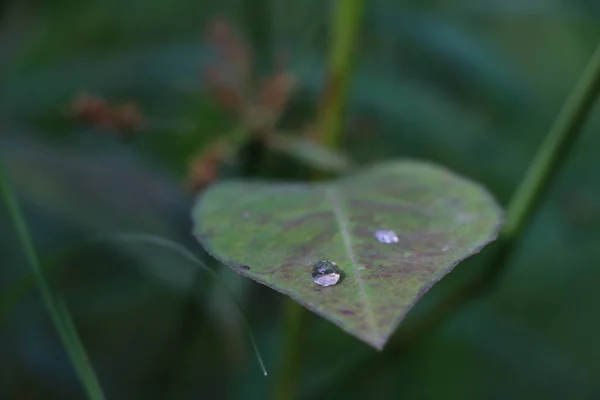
{"type": "Point", "coordinates": [326, 273]}
{"type": "Point", "coordinates": [386, 236]}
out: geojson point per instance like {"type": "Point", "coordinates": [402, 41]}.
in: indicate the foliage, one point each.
{"type": "Point", "coordinates": [276, 233]}
{"type": "Point", "coordinates": [470, 85]}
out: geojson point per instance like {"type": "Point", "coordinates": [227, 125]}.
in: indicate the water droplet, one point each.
{"type": "Point", "coordinates": [246, 215]}
{"type": "Point", "coordinates": [446, 248]}
{"type": "Point", "coordinates": [326, 273]}
{"type": "Point", "coordinates": [386, 236]}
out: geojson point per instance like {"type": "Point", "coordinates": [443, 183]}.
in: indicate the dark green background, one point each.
{"type": "Point", "coordinates": [470, 84]}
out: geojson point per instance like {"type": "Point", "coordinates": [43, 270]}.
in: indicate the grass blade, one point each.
{"type": "Point", "coordinates": [57, 310]}
{"type": "Point", "coordinates": [21, 287]}
{"type": "Point", "coordinates": [187, 254]}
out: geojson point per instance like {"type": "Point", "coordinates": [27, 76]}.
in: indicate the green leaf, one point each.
{"type": "Point", "coordinates": [275, 233]}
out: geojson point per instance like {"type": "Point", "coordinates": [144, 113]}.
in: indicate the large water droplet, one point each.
{"type": "Point", "coordinates": [386, 236]}
{"type": "Point", "coordinates": [326, 273]}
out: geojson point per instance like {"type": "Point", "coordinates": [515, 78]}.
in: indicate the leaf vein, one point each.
{"type": "Point", "coordinates": [333, 195]}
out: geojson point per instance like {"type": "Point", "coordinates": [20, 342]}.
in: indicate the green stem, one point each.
{"type": "Point", "coordinates": [291, 359]}
{"type": "Point", "coordinates": [346, 27]}
{"type": "Point", "coordinates": [547, 162]}
{"type": "Point", "coordinates": [544, 167]}
{"type": "Point", "coordinates": [56, 307]}
{"type": "Point", "coordinates": [552, 152]}
{"type": "Point", "coordinates": [257, 14]}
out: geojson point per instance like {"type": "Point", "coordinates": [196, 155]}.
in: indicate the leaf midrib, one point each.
{"type": "Point", "coordinates": [334, 198]}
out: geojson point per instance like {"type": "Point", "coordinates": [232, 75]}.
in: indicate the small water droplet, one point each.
{"type": "Point", "coordinates": [386, 236]}
{"type": "Point", "coordinates": [326, 273]}
{"type": "Point", "coordinates": [246, 215]}
{"type": "Point", "coordinates": [446, 248]}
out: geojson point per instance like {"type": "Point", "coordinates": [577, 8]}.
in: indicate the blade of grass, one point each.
{"type": "Point", "coordinates": [58, 312]}
{"type": "Point", "coordinates": [187, 254]}
{"type": "Point", "coordinates": [20, 288]}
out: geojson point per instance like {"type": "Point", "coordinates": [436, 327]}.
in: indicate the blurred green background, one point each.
{"type": "Point", "coordinates": [472, 84]}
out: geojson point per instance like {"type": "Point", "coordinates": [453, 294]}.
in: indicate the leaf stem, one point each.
{"type": "Point", "coordinates": [294, 321]}
{"type": "Point", "coordinates": [56, 307]}
{"type": "Point", "coordinates": [346, 25]}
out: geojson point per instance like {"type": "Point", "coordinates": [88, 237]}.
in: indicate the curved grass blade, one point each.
{"type": "Point", "coordinates": [58, 312]}
{"type": "Point", "coordinates": [187, 254]}
{"type": "Point", "coordinates": [20, 288]}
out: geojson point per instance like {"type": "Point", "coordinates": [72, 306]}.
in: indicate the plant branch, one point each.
{"type": "Point", "coordinates": [56, 307]}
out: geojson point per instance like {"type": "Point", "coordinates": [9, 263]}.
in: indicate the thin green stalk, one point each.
{"type": "Point", "coordinates": [56, 308]}
{"type": "Point", "coordinates": [291, 359]}
{"type": "Point", "coordinates": [17, 290]}
{"type": "Point", "coordinates": [553, 151]}
{"type": "Point", "coordinates": [257, 15]}
{"type": "Point", "coordinates": [347, 18]}
{"type": "Point", "coordinates": [548, 160]}
{"type": "Point", "coordinates": [347, 21]}
{"type": "Point", "coordinates": [187, 254]}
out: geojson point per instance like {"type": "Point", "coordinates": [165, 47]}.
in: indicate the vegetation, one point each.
{"type": "Point", "coordinates": [116, 117]}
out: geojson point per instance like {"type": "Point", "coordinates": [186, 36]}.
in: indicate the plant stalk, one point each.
{"type": "Point", "coordinates": [553, 151]}
{"type": "Point", "coordinates": [291, 359]}
{"type": "Point", "coordinates": [56, 307]}
{"type": "Point", "coordinates": [548, 160]}
{"type": "Point", "coordinates": [258, 24]}
{"type": "Point", "coordinates": [347, 21]}
{"type": "Point", "coordinates": [346, 26]}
